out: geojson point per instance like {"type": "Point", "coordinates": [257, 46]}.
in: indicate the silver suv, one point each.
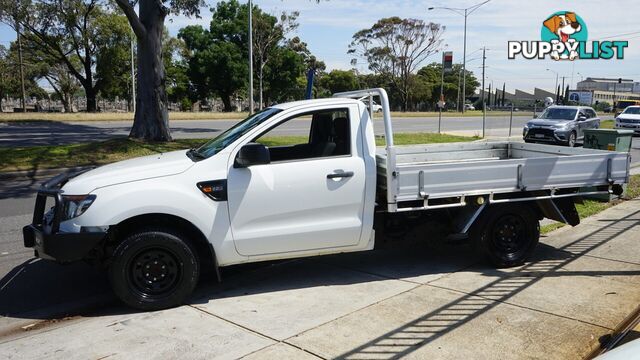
{"type": "Point", "coordinates": [563, 125]}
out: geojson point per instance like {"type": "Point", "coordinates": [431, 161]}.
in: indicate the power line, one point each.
{"type": "Point", "coordinates": [624, 34]}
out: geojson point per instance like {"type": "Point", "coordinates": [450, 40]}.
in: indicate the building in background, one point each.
{"type": "Point", "coordinates": [606, 84]}
{"type": "Point", "coordinates": [591, 91]}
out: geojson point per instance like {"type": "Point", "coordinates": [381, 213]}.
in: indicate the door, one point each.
{"type": "Point", "coordinates": [581, 123]}
{"type": "Point", "coordinates": [593, 119]}
{"type": "Point", "coordinates": [311, 195]}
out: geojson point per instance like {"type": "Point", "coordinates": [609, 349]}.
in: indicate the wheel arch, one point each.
{"type": "Point", "coordinates": [195, 237]}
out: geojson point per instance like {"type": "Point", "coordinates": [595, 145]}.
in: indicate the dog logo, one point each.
{"type": "Point", "coordinates": [564, 37]}
{"type": "Point", "coordinates": [565, 27]}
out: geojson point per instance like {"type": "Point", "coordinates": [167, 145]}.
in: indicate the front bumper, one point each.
{"type": "Point", "coordinates": [47, 241]}
{"type": "Point", "coordinates": [547, 135]}
{"type": "Point", "coordinates": [62, 247]}
{"type": "Point", "coordinates": [629, 126]}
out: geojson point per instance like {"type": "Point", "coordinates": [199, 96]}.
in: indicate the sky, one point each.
{"type": "Point", "coordinates": [328, 26]}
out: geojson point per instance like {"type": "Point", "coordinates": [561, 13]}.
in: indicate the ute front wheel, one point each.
{"type": "Point", "coordinates": [154, 269]}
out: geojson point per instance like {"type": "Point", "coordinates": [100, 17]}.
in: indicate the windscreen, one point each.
{"type": "Point", "coordinates": [632, 111]}
{"type": "Point", "coordinates": [559, 114]}
{"type": "Point", "coordinates": [223, 140]}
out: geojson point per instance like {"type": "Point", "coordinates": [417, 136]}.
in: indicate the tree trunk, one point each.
{"type": "Point", "coordinates": [226, 101]}
{"type": "Point", "coordinates": [151, 120]}
{"type": "Point", "coordinates": [92, 103]}
{"type": "Point", "coordinates": [67, 102]}
{"type": "Point", "coordinates": [261, 76]}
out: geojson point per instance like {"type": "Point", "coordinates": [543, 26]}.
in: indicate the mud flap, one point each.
{"type": "Point", "coordinates": [562, 210]}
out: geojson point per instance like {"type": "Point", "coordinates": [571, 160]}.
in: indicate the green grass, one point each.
{"type": "Point", "coordinates": [607, 124]}
{"type": "Point", "coordinates": [94, 153]}
{"type": "Point", "coordinates": [591, 207]}
{"type": "Point", "coordinates": [104, 152]}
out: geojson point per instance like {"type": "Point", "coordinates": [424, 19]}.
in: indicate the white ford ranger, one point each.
{"type": "Point", "coordinates": [158, 221]}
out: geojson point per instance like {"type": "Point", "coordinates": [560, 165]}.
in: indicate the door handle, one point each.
{"type": "Point", "coordinates": [346, 174]}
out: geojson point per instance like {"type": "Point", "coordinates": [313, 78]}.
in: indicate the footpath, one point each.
{"type": "Point", "coordinates": [386, 304]}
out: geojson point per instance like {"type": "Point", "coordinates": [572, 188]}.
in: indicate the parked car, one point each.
{"type": "Point", "coordinates": [627, 351]}
{"type": "Point", "coordinates": [629, 119]}
{"type": "Point", "coordinates": [469, 107]}
{"type": "Point", "coordinates": [156, 222]}
{"type": "Point", "coordinates": [376, 108]}
{"type": "Point", "coordinates": [563, 125]}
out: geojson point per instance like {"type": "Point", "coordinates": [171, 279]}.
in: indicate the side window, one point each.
{"type": "Point", "coordinates": [583, 112]}
{"type": "Point", "coordinates": [310, 135]}
{"type": "Point", "coordinates": [591, 114]}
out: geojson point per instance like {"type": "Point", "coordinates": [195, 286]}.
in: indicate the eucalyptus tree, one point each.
{"type": "Point", "coordinates": [395, 47]}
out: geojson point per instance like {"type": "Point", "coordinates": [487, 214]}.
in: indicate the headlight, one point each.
{"type": "Point", "coordinates": [525, 129]}
{"type": "Point", "coordinates": [75, 205]}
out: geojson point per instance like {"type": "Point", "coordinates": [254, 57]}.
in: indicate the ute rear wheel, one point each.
{"type": "Point", "coordinates": [507, 235]}
{"type": "Point", "coordinates": [154, 269]}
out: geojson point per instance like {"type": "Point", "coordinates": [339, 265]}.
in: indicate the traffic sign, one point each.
{"type": "Point", "coordinates": [447, 61]}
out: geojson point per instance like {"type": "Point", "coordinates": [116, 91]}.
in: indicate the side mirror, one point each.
{"type": "Point", "coordinates": [535, 116]}
{"type": "Point", "coordinates": [582, 117]}
{"type": "Point", "coordinates": [252, 154]}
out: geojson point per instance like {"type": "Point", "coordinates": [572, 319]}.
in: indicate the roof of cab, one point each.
{"type": "Point", "coordinates": [571, 106]}
{"type": "Point", "coordinates": [292, 104]}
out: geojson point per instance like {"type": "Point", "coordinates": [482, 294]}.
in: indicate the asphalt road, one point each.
{"type": "Point", "coordinates": [53, 132]}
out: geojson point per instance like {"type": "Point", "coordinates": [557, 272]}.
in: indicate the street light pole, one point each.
{"type": "Point", "coordinates": [250, 57]}
{"type": "Point", "coordinates": [464, 12]}
{"type": "Point", "coordinates": [484, 106]}
{"type": "Point", "coordinates": [555, 88]}
{"type": "Point", "coordinates": [464, 62]}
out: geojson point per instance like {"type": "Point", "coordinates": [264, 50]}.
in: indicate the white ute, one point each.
{"type": "Point", "coordinates": [158, 221]}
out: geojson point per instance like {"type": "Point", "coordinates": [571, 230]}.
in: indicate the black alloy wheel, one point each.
{"type": "Point", "coordinates": [507, 234]}
{"type": "Point", "coordinates": [154, 269]}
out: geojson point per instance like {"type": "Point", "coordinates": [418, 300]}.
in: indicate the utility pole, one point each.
{"type": "Point", "coordinates": [251, 58]}
{"type": "Point", "coordinates": [21, 66]}
{"type": "Point", "coordinates": [484, 112]}
{"type": "Point", "coordinates": [563, 92]}
{"type": "Point", "coordinates": [441, 101]}
{"type": "Point", "coordinates": [458, 97]}
{"type": "Point", "coordinates": [133, 78]}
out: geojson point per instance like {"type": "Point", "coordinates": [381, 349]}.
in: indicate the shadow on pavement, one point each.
{"type": "Point", "coordinates": [40, 289]}
{"type": "Point", "coordinates": [43, 290]}
{"type": "Point", "coordinates": [26, 133]}
{"type": "Point", "coordinates": [451, 316]}
{"type": "Point", "coordinates": [21, 133]}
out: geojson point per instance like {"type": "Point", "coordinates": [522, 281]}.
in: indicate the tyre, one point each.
{"type": "Point", "coordinates": [507, 235]}
{"type": "Point", "coordinates": [154, 269]}
{"type": "Point", "coordinates": [572, 139]}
